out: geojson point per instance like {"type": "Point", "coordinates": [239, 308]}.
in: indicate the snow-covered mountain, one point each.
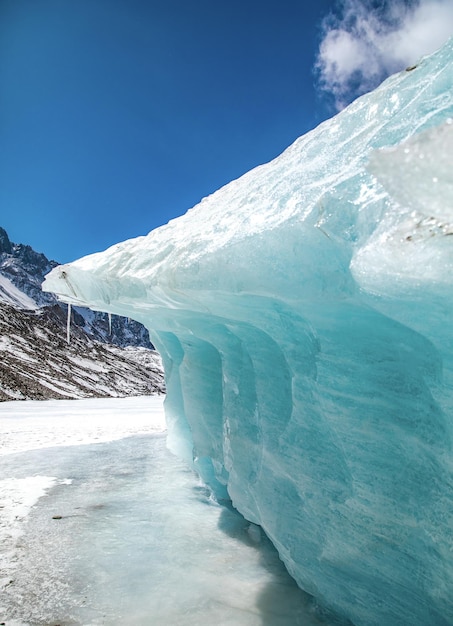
{"type": "Point", "coordinates": [103, 358]}
{"type": "Point", "coordinates": [22, 271]}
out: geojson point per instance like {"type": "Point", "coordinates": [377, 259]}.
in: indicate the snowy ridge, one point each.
{"type": "Point", "coordinates": [14, 296]}
{"type": "Point", "coordinates": [303, 313]}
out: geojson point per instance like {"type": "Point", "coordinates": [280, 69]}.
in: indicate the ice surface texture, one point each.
{"type": "Point", "coordinates": [303, 313]}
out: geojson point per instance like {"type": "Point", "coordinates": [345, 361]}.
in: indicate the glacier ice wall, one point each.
{"type": "Point", "coordinates": [303, 313]}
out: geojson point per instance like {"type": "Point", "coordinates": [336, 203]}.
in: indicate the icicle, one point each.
{"type": "Point", "coordinates": [68, 325]}
{"type": "Point", "coordinates": [110, 323]}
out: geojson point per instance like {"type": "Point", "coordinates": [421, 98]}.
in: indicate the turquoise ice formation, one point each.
{"type": "Point", "coordinates": [304, 316]}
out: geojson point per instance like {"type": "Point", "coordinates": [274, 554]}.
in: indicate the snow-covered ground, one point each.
{"type": "Point", "coordinates": [30, 425]}
{"type": "Point", "coordinates": [100, 524]}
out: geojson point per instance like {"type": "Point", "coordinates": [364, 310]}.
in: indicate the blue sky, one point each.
{"type": "Point", "coordinates": [118, 115]}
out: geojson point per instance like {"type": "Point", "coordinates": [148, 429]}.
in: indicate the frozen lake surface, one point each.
{"type": "Point", "coordinates": [100, 524]}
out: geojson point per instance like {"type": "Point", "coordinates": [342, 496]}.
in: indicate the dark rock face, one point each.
{"type": "Point", "coordinates": [5, 244]}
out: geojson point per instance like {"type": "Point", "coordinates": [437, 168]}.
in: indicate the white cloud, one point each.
{"type": "Point", "coordinates": [364, 44]}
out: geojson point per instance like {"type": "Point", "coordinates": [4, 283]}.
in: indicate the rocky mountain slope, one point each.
{"type": "Point", "coordinates": [103, 358]}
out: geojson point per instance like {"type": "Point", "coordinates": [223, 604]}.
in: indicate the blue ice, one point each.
{"type": "Point", "coordinates": [303, 313]}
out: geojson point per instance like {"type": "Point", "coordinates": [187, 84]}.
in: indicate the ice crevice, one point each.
{"type": "Point", "coordinates": [303, 314]}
